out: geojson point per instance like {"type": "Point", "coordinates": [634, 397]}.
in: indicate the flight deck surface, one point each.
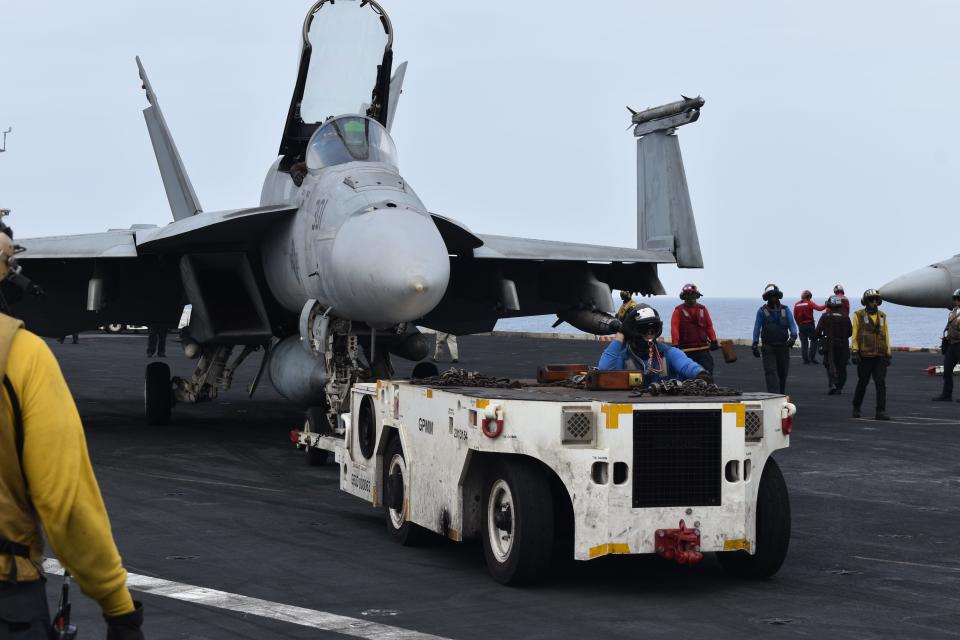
{"type": "Point", "coordinates": [220, 499]}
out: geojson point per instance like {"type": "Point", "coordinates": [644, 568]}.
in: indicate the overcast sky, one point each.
{"type": "Point", "coordinates": [827, 150]}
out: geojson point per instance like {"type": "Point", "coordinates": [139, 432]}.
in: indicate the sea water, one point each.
{"type": "Point", "coordinates": [734, 318]}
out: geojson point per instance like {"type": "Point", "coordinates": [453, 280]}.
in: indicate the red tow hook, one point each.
{"type": "Point", "coordinates": [680, 545]}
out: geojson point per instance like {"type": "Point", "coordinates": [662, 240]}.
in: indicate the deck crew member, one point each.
{"type": "Point", "coordinates": [833, 332]}
{"type": "Point", "coordinates": [950, 346]}
{"type": "Point", "coordinates": [628, 303]}
{"type": "Point", "coordinates": [871, 352]}
{"type": "Point", "coordinates": [637, 348]}
{"type": "Point", "coordinates": [838, 291]}
{"type": "Point", "coordinates": [446, 339]}
{"type": "Point", "coordinates": [691, 328]}
{"type": "Point", "coordinates": [803, 314]}
{"type": "Point", "coordinates": [774, 329]}
{"type": "Point", "coordinates": [46, 480]}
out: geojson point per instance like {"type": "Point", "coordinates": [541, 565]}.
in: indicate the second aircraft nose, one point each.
{"type": "Point", "coordinates": [389, 266]}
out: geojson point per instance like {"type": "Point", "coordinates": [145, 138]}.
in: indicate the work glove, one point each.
{"type": "Point", "coordinates": [855, 358]}
{"type": "Point", "coordinates": [792, 341]}
{"type": "Point", "coordinates": [714, 345]}
{"type": "Point", "coordinates": [887, 360]}
{"type": "Point", "coordinates": [127, 626]}
{"type": "Point", "coordinates": [756, 350]}
{"type": "Point", "coordinates": [705, 376]}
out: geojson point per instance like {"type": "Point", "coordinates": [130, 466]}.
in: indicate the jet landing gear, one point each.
{"type": "Point", "coordinates": [213, 374]}
{"type": "Point", "coordinates": [157, 394]}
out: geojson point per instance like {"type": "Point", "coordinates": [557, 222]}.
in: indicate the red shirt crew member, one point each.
{"type": "Point", "coordinates": [691, 328]}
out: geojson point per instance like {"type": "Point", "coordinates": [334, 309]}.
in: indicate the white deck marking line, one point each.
{"type": "Point", "coordinates": [164, 476]}
{"type": "Point", "coordinates": [910, 564]}
{"type": "Point", "coordinates": [301, 616]}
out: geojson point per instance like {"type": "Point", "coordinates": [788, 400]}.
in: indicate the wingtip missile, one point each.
{"type": "Point", "coordinates": [665, 111]}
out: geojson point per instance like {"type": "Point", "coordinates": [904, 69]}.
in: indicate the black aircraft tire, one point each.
{"type": "Point", "coordinates": [522, 556]}
{"type": "Point", "coordinates": [403, 531]}
{"type": "Point", "coordinates": [773, 530]}
{"type": "Point", "coordinates": [316, 421]}
{"type": "Point", "coordinates": [157, 394]}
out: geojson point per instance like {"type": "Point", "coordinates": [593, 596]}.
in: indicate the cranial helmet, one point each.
{"type": "Point", "coordinates": [806, 295]}
{"type": "Point", "coordinates": [640, 321]}
{"type": "Point", "coordinates": [956, 294]}
{"type": "Point", "coordinates": [772, 291]}
{"type": "Point", "coordinates": [871, 294]}
{"type": "Point", "coordinates": [834, 301]}
{"type": "Point", "coordinates": [838, 288]}
{"type": "Point", "coordinates": [688, 290]}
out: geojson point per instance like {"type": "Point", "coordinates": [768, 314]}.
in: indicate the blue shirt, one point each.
{"type": "Point", "coordinates": [774, 316]}
{"type": "Point", "coordinates": [679, 366]}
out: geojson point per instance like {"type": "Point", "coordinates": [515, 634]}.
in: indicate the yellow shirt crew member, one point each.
{"type": "Point", "coordinates": [871, 352]}
{"type": "Point", "coordinates": [55, 488]}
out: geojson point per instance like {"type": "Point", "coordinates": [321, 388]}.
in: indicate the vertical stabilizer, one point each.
{"type": "Point", "coordinates": [180, 194]}
{"type": "Point", "coordinates": [664, 214]}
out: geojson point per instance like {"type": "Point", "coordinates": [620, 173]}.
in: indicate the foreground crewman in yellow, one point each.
{"type": "Point", "coordinates": [46, 481]}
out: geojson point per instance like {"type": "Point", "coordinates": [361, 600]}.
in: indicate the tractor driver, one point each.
{"type": "Point", "coordinates": [636, 347]}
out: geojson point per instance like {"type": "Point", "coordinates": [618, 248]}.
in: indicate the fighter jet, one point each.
{"type": "Point", "coordinates": [931, 286]}
{"type": "Point", "coordinates": [342, 261]}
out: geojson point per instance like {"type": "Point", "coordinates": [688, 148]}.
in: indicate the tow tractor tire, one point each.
{"type": "Point", "coordinates": [114, 328]}
{"type": "Point", "coordinates": [773, 530]}
{"type": "Point", "coordinates": [316, 421]}
{"type": "Point", "coordinates": [157, 394]}
{"type": "Point", "coordinates": [517, 522]}
{"type": "Point", "coordinates": [396, 482]}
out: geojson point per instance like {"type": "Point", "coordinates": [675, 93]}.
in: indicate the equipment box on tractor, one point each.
{"type": "Point", "coordinates": [537, 469]}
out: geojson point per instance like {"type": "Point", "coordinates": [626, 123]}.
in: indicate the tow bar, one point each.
{"type": "Point", "coordinates": [680, 545]}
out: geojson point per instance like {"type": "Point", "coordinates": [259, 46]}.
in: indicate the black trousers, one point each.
{"type": "Point", "coordinates": [875, 368]}
{"type": "Point", "coordinates": [776, 365]}
{"type": "Point", "coordinates": [808, 342]}
{"type": "Point", "coordinates": [702, 358]}
{"type": "Point", "coordinates": [950, 360]}
{"type": "Point", "coordinates": [24, 614]}
{"type": "Point", "coordinates": [835, 359]}
{"type": "Point", "coordinates": [157, 341]}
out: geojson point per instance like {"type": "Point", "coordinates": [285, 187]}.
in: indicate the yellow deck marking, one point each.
{"type": "Point", "coordinates": [613, 413]}
{"type": "Point", "coordinates": [609, 548]}
{"type": "Point", "coordinates": [739, 409]}
{"type": "Point", "coordinates": [429, 393]}
{"type": "Point", "coordinates": [737, 544]}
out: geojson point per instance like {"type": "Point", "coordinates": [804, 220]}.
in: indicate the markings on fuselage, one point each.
{"type": "Point", "coordinates": [318, 214]}
{"type": "Point", "coordinates": [323, 620]}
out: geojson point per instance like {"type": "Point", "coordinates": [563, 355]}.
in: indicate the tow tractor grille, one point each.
{"type": "Point", "coordinates": [676, 458]}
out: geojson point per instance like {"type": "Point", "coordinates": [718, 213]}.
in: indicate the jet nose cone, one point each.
{"type": "Point", "coordinates": [389, 266]}
{"type": "Point", "coordinates": [921, 288]}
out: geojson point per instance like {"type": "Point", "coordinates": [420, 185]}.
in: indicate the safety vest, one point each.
{"type": "Point", "coordinates": [775, 328]}
{"type": "Point", "coordinates": [870, 339]}
{"type": "Point", "coordinates": [21, 545]}
{"type": "Point", "coordinates": [633, 362]}
{"type": "Point", "coordinates": [693, 326]}
{"type": "Point", "coordinates": [952, 332]}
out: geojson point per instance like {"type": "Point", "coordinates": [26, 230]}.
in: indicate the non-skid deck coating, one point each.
{"type": "Point", "coordinates": [221, 501]}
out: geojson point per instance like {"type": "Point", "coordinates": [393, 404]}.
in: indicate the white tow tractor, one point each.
{"type": "Point", "coordinates": [535, 469]}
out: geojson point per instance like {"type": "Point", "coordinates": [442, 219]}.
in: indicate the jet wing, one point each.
{"type": "Point", "coordinates": [136, 270]}
{"type": "Point", "coordinates": [495, 277]}
{"type": "Point", "coordinates": [510, 248]}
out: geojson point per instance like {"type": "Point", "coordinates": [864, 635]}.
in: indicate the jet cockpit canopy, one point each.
{"type": "Point", "coordinates": [345, 67]}
{"type": "Point", "coordinates": [350, 139]}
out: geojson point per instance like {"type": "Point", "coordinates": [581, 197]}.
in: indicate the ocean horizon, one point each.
{"type": "Point", "coordinates": [733, 318]}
